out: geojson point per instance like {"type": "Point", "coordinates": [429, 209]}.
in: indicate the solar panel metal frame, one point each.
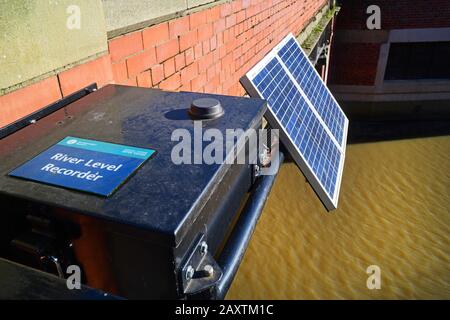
{"type": "Point", "coordinates": [246, 81]}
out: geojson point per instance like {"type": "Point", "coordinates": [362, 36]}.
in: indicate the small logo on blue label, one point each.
{"type": "Point", "coordinates": [82, 164]}
{"type": "Point", "coordinates": [71, 141]}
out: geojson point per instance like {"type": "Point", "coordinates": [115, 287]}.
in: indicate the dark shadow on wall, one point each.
{"type": "Point", "coordinates": [383, 121]}
{"type": "Point", "coordinates": [361, 131]}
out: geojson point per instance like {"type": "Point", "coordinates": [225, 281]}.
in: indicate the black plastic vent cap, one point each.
{"type": "Point", "coordinates": [206, 108]}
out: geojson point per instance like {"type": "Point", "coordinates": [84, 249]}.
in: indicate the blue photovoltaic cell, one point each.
{"type": "Point", "coordinates": [310, 82]}
{"type": "Point", "coordinates": [312, 124]}
{"type": "Point", "coordinates": [300, 123]}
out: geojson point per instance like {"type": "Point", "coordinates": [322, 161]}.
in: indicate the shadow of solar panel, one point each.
{"type": "Point", "coordinates": [310, 136]}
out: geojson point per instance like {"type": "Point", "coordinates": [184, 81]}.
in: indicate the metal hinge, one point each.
{"type": "Point", "coordinates": [41, 113]}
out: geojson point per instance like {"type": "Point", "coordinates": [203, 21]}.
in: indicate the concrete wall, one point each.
{"type": "Point", "coordinates": [35, 39]}
{"type": "Point", "coordinates": [125, 16]}
{"type": "Point", "coordinates": [121, 14]}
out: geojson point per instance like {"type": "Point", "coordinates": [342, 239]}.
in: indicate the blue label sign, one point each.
{"type": "Point", "coordinates": [87, 165]}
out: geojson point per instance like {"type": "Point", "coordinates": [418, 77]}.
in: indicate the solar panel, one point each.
{"type": "Point", "coordinates": [312, 125]}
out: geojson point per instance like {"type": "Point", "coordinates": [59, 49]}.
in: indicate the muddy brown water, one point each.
{"type": "Point", "coordinates": [394, 212]}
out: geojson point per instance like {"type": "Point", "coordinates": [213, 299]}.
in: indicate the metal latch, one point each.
{"type": "Point", "coordinates": [200, 270]}
{"type": "Point", "coordinates": [45, 244]}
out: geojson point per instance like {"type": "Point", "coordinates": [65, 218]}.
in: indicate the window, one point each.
{"type": "Point", "coordinates": [418, 60]}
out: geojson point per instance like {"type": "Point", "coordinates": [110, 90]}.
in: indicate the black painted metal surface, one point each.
{"type": "Point", "coordinates": [35, 116]}
{"type": "Point", "coordinates": [161, 198]}
{"type": "Point", "coordinates": [20, 282]}
{"type": "Point", "coordinates": [135, 243]}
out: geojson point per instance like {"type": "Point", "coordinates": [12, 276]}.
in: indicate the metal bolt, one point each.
{"type": "Point", "coordinates": [209, 270]}
{"type": "Point", "coordinates": [257, 170]}
{"type": "Point", "coordinates": [264, 156]}
{"type": "Point", "coordinates": [189, 272]}
{"type": "Point", "coordinates": [203, 248]}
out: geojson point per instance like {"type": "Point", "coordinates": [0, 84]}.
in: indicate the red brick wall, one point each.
{"type": "Point", "coordinates": [207, 51]}
{"type": "Point", "coordinates": [356, 63]}
{"type": "Point", "coordinates": [396, 14]}
{"type": "Point", "coordinates": [22, 102]}
{"type": "Point", "coordinates": [210, 50]}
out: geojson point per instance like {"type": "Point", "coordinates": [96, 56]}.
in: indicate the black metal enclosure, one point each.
{"type": "Point", "coordinates": [171, 231]}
